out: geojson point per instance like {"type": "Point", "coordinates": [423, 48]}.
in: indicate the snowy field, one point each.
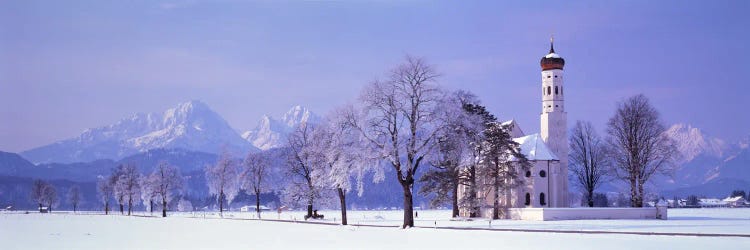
{"type": "Point", "coordinates": [64, 230]}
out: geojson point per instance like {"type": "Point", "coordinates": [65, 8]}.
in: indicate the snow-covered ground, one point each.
{"type": "Point", "coordinates": [182, 231]}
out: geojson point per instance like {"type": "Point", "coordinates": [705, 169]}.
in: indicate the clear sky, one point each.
{"type": "Point", "coordinates": [70, 65]}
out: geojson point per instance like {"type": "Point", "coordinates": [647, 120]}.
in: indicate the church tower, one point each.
{"type": "Point", "coordinates": [554, 124]}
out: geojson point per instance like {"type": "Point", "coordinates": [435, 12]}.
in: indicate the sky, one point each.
{"type": "Point", "coordinates": [66, 66]}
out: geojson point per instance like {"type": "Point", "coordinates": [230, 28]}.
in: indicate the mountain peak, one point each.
{"type": "Point", "coordinates": [272, 133]}
{"type": "Point", "coordinates": [692, 141]}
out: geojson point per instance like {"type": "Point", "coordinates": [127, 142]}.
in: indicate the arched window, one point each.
{"type": "Point", "coordinates": [541, 199]}
{"type": "Point", "coordinates": [542, 173]}
{"type": "Point", "coordinates": [555, 90]}
{"type": "Point", "coordinates": [528, 174]}
{"type": "Point", "coordinates": [549, 90]}
{"type": "Point", "coordinates": [561, 90]}
{"type": "Point", "coordinates": [542, 90]}
{"type": "Point", "coordinates": [528, 199]}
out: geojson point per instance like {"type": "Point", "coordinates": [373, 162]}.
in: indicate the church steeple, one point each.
{"type": "Point", "coordinates": [551, 45]}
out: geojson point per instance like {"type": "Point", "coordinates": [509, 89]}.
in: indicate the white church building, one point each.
{"type": "Point", "coordinates": [543, 191]}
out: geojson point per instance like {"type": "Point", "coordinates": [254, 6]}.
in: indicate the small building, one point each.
{"type": "Point", "coordinates": [737, 201]}
{"type": "Point", "coordinates": [249, 208]}
{"type": "Point", "coordinates": [711, 203]}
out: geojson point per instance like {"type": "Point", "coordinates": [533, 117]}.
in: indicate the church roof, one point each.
{"type": "Point", "coordinates": [534, 148]}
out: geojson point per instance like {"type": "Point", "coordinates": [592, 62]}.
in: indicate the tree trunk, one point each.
{"type": "Point", "coordinates": [130, 205]}
{"type": "Point", "coordinates": [408, 206]}
{"type": "Point", "coordinates": [122, 208]}
{"type": "Point", "coordinates": [40, 207]}
{"type": "Point", "coordinates": [342, 199]}
{"type": "Point", "coordinates": [106, 207]}
{"type": "Point", "coordinates": [74, 207]}
{"type": "Point", "coordinates": [496, 189]}
{"type": "Point", "coordinates": [633, 193]}
{"type": "Point", "coordinates": [50, 208]}
{"type": "Point", "coordinates": [454, 214]}
{"type": "Point", "coordinates": [163, 208]}
{"type": "Point", "coordinates": [221, 204]}
{"type": "Point", "coordinates": [151, 206]}
{"type": "Point", "coordinates": [590, 197]}
{"type": "Point", "coordinates": [257, 203]}
{"type": "Point", "coordinates": [640, 194]}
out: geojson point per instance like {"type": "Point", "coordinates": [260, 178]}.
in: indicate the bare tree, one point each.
{"type": "Point", "coordinates": [105, 191]}
{"type": "Point", "coordinates": [588, 159]}
{"type": "Point", "coordinates": [129, 185]}
{"type": "Point", "coordinates": [223, 181]}
{"type": "Point", "coordinates": [166, 182]}
{"type": "Point", "coordinates": [639, 147]}
{"type": "Point", "coordinates": [398, 121]}
{"type": "Point", "coordinates": [502, 160]}
{"type": "Point", "coordinates": [74, 197]}
{"type": "Point", "coordinates": [254, 176]}
{"type": "Point", "coordinates": [37, 192]}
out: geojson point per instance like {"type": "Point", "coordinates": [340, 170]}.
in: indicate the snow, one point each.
{"type": "Point", "coordinates": [194, 231]}
{"type": "Point", "coordinates": [272, 133]}
{"type": "Point", "coordinates": [552, 55]}
{"type": "Point", "coordinates": [533, 147]}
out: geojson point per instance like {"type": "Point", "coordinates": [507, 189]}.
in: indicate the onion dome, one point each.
{"type": "Point", "coordinates": [552, 60]}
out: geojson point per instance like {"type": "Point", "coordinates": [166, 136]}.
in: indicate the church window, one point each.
{"type": "Point", "coordinates": [541, 199]}
{"type": "Point", "coordinates": [556, 106]}
{"type": "Point", "coordinates": [555, 76]}
{"type": "Point", "coordinates": [528, 173]}
{"type": "Point", "coordinates": [561, 90]}
{"type": "Point", "coordinates": [528, 199]}
{"type": "Point", "coordinates": [542, 173]}
{"type": "Point", "coordinates": [549, 90]}
{"type": "Point", "coordinates": [555, 90]}
{"type": "Point", "coordinates": [548, 76]}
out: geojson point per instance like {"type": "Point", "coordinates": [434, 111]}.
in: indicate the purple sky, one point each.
{"type": "Point", "coordinates": [66, 66]}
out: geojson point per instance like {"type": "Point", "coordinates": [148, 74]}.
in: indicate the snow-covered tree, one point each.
{"type": "Point", "coordinates": [398, 122]}
{"type": "Point", "coordinates": [223, 180]}
{"type": "Point", "coordinates": [117, 193]}
{"type": "Point", "coordinates": [74, 197]}
{"type": "Point", "coordinates": [147, 192]}
{"type": "Point", "coordinates": [502, 160]}
{"type": "Point", "coordinates": [342, 156]}
{"type": "Point", "coordinates": [304, 168]}
{"type": "Point", "coordinates": [166, 183]}
{"type": "Point", "coordinates": [105, 191]}
{"type": "Point", "coordinates": [184, 206]}
{"type": "Point", "coordinates": [638, 145]}
{"type": "Point", "coordinates": [588, 159]}
{"type": "Point", "coordinates": [453, 153]}
{"type": "Point", "coordinates": [50, 196]}
{"type": "Point", "coordinates": [469, 175]}
{"type": "Point", "coordinates": [255, 175]}
{"type": "Point", "coordinates": [38, 189]}
{"type": "Point", "coordinates": [128, 185]}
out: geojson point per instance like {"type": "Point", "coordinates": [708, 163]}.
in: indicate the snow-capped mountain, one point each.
{"type": "Point", "coordinates": [272, 133]}
{"type": "Point", "coordinates": [692, 142]}
{"type": "Point", "coordinates": [190, 125]}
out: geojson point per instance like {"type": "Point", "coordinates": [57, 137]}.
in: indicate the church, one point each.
{"type": "Point", "coordinates": [545, 184]}
{"type": "Point", "coordinates": [541, 192]}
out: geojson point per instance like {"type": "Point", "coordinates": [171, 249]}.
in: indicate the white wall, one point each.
{"type": "Point", "coordinates": [587, 213]}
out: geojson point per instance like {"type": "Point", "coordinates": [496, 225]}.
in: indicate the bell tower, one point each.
{"type": "Point", "coordinates": [554, 124]}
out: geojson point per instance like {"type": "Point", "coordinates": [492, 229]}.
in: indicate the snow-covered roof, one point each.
{"type": "Point", "coordinates": [552, 55]}
{"type": "Point", "coordinates": [734, 199]}
{"type": "Point", "coordinates": [533, 147]}
{"type": "Point", "coordinates": [515, 129]}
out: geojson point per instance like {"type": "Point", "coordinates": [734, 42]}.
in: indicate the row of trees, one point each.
{"type": "Point", "coordinates": [126, 185]}
{"type": "Point", "coordinates": [45, 194]}
{"type": "Point", "coordinates": [635, 149]}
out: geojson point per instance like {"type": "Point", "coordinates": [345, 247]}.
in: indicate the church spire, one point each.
{"type": "Point", "coordinates": [551, 44]}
